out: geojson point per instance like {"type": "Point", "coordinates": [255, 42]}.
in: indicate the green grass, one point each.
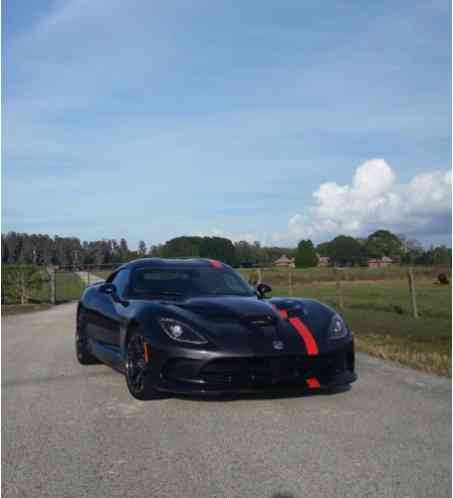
{"type": "Point", "coordinates": [424, 343]}
{"type": "Point", "coordinates": [433, 301]}
{"type": "Point", "coordinates": [279, 276]}
{"type": "Point", "coordinates": [380, 330]}
{"type": "Point", "coordinates": [69, 286]}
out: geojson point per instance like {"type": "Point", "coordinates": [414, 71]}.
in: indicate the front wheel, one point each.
{"type": "Point", "coordinates": [137, 358]}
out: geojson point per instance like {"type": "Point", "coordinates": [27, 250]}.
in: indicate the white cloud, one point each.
{"type": "Point", "coordinates": [374, 200]}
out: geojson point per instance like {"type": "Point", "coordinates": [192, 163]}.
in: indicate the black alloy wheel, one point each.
{"type": "Point", "coordinates": [137, 378]}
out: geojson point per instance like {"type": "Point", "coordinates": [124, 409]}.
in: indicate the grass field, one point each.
{"type": "Point", "coordinates": [69, 286]}
{"type": "Point", "coordinates": [279, 276]}
{"type": "Point", "coordinates": [379, 315]}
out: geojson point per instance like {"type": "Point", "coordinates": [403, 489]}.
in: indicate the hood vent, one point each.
{"type": "Point", "coordinates": [261, 321]}
{"type": "Point", "coordinates": [212, 314]}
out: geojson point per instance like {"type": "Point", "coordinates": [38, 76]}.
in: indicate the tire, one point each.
{"type": "Point", "coordinates": [84, 357]}
{"type": "Point", "coordinates": [137, 380]}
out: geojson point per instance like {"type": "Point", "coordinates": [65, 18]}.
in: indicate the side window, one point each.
{"type": "Point", "coordinates": [121, 280]}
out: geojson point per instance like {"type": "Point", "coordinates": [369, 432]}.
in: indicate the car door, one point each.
{"type": "Point", "coordinates": [110, 310]}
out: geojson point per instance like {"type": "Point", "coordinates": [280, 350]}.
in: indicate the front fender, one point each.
{"type": "Point", "coordinates": [315, 315]}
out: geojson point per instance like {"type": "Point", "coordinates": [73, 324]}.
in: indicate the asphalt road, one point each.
{"type": "Point", "coordinates": [71, 431]}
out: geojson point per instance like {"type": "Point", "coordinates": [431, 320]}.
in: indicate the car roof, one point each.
{"type": "Point", "coordinates": [174, 263]}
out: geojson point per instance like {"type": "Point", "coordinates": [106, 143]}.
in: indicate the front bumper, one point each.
{"type": "Point", "coordinates": [192, 372]}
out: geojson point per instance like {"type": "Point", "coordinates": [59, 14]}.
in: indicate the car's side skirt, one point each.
{"type": "Point", "coordinates": [107, 353]}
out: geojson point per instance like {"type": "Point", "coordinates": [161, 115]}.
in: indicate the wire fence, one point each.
{"type": "Point", "coordinates": [398, 289]}
{"type": "Point", "coordinates": [25, 284]}
{"type": "Point", "coordinates": [70, 281]}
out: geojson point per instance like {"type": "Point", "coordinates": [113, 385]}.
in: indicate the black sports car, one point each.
{"type": "Point", "coordinates": [193, 326]}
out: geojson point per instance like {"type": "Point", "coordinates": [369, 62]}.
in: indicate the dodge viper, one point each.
{"type": "Point", "coordinates": [195, 326]}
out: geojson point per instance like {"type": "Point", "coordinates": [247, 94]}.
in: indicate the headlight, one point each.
{"type": "Point", "coordinates": [337, 329]}
{"type": "Point", "coordinates": [181, 331]}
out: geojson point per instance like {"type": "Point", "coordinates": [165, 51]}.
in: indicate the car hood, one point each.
{"type": "Point", "coordinates": [228, 307]}
{"type": "Point", "coordinates": [250, 325]}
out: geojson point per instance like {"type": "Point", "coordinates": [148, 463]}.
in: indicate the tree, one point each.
{"type": "Point", "coordinates": [19, 282]}
{"type": "Point", "coordinates": [412, 250]}
{"type": "Point", "coordinates": [182, 247]}
{"type": "Point", "coordinates": [384, 243]}
{"type": "Point", "coordinates": [244, 253]}
{"type": "Point", "coordinates": [218, 248]}
{"type": "Point", "coordinates": [156, 251]}
{"type": "Point", "coordinates": [323, 249]}
{"type": "Point", "coordinates": [142, 248]}
{"type": "Point", "coordinates": [345, 250]}
{"type": "Point", "coordinates": [306, 254]}
{"type": "Point", "coordinates": [442, 255]}
{"type": "Point", "coordinates": [124, 249]}
{"type": "Point", "coordinates": [4, 249]}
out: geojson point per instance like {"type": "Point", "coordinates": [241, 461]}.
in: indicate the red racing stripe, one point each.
{"type": "Point", "coordinates": [313, 383]}
{"type": "Point", "coordinates": [215, 263]}
{"type": "Point", "coordinates": [283, 313]}
{"type": "Point", "coordinates": [309, 340]}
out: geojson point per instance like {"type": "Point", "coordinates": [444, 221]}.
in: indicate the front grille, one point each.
{"type": "Point", "coordinates": [259, 371]}
{"type": "Point", "coordinates": [276, 370]}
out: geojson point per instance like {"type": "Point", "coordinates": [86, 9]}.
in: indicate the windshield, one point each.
{"type": "Point", "coordinates": [187, 282]}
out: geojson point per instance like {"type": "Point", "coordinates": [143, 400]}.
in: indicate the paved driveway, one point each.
{"type": "Point", "coordinates": [71, 431]}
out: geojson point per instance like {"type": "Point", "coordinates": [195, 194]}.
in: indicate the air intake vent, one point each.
{"type": "Point", "coordinates": [212, 315]}
{"type": "Point", "coordinates": [261, 321]}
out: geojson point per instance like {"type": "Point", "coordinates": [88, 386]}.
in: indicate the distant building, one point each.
{"type": "Point", "coordinates": [285, 262]}
{"type": "Point", "coordinates": [323, 260]}
{"type": "Point", "coordinates": [380, 262]}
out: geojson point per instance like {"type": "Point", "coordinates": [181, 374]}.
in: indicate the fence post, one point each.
{"type": "Point", "coordinates": [339, 289]}
{"type": "Point", "coordinates": [52, 281]}
{"type": "Point", "coordinates": [23, 297]}
{"type": "Point", "coordinates": [259, 275]}
{"type": "Point", "coordinates": [410, 277]}
{"type": "Point", "coordinates": [290, 281]}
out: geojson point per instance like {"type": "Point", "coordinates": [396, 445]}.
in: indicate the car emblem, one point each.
{"type": "Point", "coordinates": [278, 345]}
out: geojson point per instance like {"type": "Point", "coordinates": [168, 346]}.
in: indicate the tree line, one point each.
{"type": "Point", "coordinates": [349, 251]}
{"type": "Point", "coordinates": [41, 249]}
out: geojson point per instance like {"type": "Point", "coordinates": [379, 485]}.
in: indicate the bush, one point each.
{"type": "Point", "coordinates": [19, 282]}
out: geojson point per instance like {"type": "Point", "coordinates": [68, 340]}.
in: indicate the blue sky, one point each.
{"type": "Point", "coordinates": [270, 121]}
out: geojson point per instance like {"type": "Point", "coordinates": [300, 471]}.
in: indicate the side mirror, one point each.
{"type": "Point", "coordinates": [262, 290]}
{"type": "Point", "coordinates": [108, 289]}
